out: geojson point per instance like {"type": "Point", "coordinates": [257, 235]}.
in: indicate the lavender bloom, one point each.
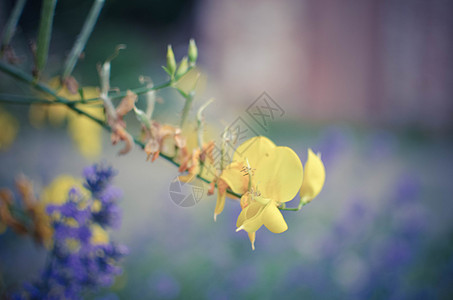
{"type": "Point", "coordinates": [109, 214]}
{"type": "Point", "coordinates": [77, 262]}
{"type": "Point", "coordinates": [98, 177]}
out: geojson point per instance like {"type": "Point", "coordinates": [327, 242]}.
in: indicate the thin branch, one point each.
{"type": "Point", "coordinates": [11, 25]}
{"type": "Point", "coordinates": [44, 34]}
{"type": "Point", "coordinates": [22, 100]}
{"type": "Point", "coordinates": [82, 39]}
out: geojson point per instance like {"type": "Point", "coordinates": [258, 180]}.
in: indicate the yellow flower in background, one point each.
{"type": "Point", "coordinates": [9, 126]}
{"type": "Point", "coordinates": [85, 133]}
{"type": "Point", "coordinates": [99, 235]}
{"type": "Point", "coordinates": [314, 177]}
{"type": "Point", "coordinates": [57, 191]}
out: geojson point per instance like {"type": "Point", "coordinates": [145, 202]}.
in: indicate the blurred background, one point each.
{"type": "Point", "coordinates": [366, 83]}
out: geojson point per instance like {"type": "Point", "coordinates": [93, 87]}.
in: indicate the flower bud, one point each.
{"type": "Point", "coordinates": [314, 177]}
{"type": "Point", "coordinates": [183, 66]}
{"type": "Point", "coordinates": [171, 63]}
{"type": "Point", "coordinates": [192, 52]}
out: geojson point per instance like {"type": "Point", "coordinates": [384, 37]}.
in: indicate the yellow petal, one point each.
{"type": "Point", "coordinates": [221, 194]}
{"type": "Point", "coordinates": [256, 150]}
{"type": "Point", "coordinates": [273, 219]}
{"type": "Point", "coordinates": [252, 239]}
{"type": "Point", "coordinates": [187, 178]}
{"type": "Point", "coordinates": [250, 218]}
{"type": "Point", "coordinates": [235, 179]}
{"type": "Point", "coordinates": [279, 177]}
{"type": "Point", "coordinates": [314, 177]}
{"type": "Point", "coordinates": [241, 217]}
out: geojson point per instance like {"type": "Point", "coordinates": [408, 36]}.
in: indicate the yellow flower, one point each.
{"type": "Point", "coordinates": [57, 191]}
{"type": "Point", "coordinates": [314, 177]}
{"type": "Point", "coordinates": [85, 133]}
{"type": "Point", "coordinates": [273, 175]}
{"type": "Point", "coordinates": [256, 150]}
{"type": "Point", "coordinates": [9, 127]}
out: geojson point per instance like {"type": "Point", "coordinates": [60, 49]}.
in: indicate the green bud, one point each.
{"type": "Point", "coordinates": [183, 66]}
{"type": "Point", "coordinates": [192, 52]}
{"type": "Point", "coordinates": [171, 62]}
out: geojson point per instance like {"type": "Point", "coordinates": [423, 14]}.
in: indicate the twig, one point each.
{"type": "Point", "coordinates": [82, 39]}
{"type": "Point", "coordinates": [11, 25]}
{"type": "Point", "coordinates": [44, 34]}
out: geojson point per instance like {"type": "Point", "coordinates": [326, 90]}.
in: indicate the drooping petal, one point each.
{"type": "Point", "coordinates": [250, 218]}
{"type": "Point", "coordinates": [279, 177]}
{"type": "Point", "coordinates": [252, 237]}
{"type": "Point", "coordinates": [255, 150]}
{"type": "Point", "coordinates": [273, 219]}
{"type": "Point", "coordinates": [187, 178]}
{"type": "Point", "coordinates": [126, 104]}
{"type": "Point", "coordinates": [221, 194]}
{"type": "Point", "coordinates": [314, 177]}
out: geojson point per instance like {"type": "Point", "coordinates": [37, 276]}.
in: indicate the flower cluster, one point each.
{"type": "Point", "coordinates": [261, 174]}
{"type": "Point", "coordinates": [267, 177]}
{"type": "Point", "coordinates": [82, 256]}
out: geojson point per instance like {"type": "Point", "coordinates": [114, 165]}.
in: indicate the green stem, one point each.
{"type": "Point", "coordinates": [82, 39]}
{"type": "Point", "coordinates": [299, 207]}
{"type": "Point", "coordinates": [200, 122]}
{"type": "Point", "coordinates": [186, 109]}
{"type": "Point", "coordinates": [44, 34]}
{"type": "Point", "coordinates": [9, 98]}
{"type": "Point", "coordinates": [22, 100]}
{"type": "Point", "coordinates": [12, 24]}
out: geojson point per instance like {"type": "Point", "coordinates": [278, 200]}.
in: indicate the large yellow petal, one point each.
{"type": "Point", "coordinates": [279, 177]}
{"type": "Point", "coordinates": [273, 219]}
{"type": "Point", "coordinates": [250, 218]}
{"type": "Point", "coordinates": [255, 150]}
{"type": "Point", "coordinates": [314, 177]}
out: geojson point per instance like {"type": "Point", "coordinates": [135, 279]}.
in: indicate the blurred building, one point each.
{"type": "Point", "coordinates": [384, 61]}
